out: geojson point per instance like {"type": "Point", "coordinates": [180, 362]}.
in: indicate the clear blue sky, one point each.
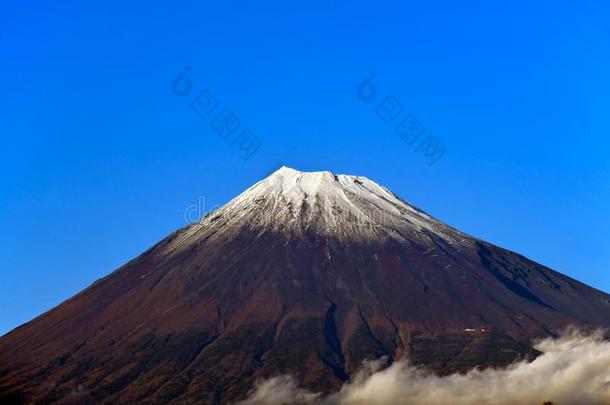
{"type": "Point", "coordinates": [99, 158]}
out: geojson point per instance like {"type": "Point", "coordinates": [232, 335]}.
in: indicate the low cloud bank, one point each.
{"type": "Point", "coordinates": [573, 369]}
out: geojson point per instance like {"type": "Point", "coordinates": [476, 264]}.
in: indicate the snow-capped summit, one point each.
{"type": "Point", "coordinates": [307, 274]}
{"type": "Point", "coordinates": [342, 206]}
{"type": "Point", "coordinates": [296, 186]}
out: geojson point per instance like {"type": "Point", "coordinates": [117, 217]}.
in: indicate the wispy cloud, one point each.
{"type": "Point", "coordinates": [573, 369]}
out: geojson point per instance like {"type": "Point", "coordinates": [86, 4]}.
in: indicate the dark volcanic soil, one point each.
{"type": "Point", "coordinates": [235, 303]}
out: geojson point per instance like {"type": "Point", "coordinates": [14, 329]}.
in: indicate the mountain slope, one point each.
{"type": "Point", "coordinates": [303, 273]}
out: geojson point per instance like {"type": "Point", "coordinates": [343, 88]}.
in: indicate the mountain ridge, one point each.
{"type": "Point", "coordinates": [303, 273]}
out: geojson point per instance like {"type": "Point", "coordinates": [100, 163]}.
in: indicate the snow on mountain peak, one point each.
{"type": "Point", "coordinates": [294, 185]}
{"type": "Point", "coordinates": [335, 205]}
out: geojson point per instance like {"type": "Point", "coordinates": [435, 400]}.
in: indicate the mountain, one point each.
{"type": "Point", "coordinates": [303, 273]}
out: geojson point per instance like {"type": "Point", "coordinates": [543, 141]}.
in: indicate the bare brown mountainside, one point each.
{"type": "Point", "coordinates": [303, 273]}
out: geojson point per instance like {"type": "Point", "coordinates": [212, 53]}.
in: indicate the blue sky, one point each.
{"type": "Point", "coordinates": [99, 158]}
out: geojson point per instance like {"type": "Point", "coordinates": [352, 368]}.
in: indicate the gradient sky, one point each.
{"type": "Point", "coordinates": [99, 159]}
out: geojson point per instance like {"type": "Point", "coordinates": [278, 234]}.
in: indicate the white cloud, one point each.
{"type": "Point", "coordinates": [574, 370]}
